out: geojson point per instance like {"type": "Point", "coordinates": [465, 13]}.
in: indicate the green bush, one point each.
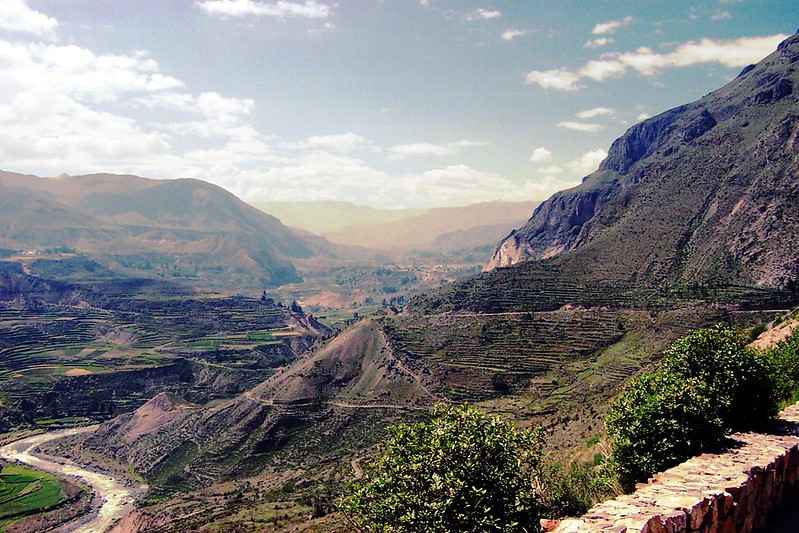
{"type": "Point", "coordinates": [570, 490]}
{"type": "Point", "coordinates": [784, 361]}
{"type": "Point", "coordinates": [659, 420]}
{"type": "Point", "coordinates": [461, 471]}
{"type": "Point", "coordinates": [708, 385]}
{"type": "Point", "coordinates": [740, 381]}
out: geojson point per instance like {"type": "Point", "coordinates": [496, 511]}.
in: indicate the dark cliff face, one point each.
{"type": "Point", "coordinates": [705, 192]}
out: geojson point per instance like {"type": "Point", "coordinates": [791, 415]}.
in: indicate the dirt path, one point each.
{"type": "Point", "coordinates": [270, 403]}
{"type": "Point", "coordinates": [116, 499]}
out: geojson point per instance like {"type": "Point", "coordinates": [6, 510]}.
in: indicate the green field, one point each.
{"type": "Point", "coordinates": [24, 491]}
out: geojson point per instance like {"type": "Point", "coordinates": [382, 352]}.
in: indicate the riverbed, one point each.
{"type": "Point", "coordinates": [116, 498]}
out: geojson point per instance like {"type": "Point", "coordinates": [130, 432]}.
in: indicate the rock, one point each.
{"type": "Point", "coordinates": [699, 126]}
{"type": "Point", "coordinates": [640, 141]}
{"type": "Point", "coordinates": [729, 492]}
{"type": "Point", "coordinates": [746, 70]}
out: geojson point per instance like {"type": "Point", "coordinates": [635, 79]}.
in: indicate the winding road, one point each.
{"type": "Point", "coordinates": [116, 499]}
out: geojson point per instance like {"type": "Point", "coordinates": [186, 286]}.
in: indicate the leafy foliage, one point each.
{"type": "Point", "coordinates": [784, 361]}
{"type": "Point", "coordinates": [570, 490]}
{"type": "Point", "coordinates": [708, 384]}
{"type": "Point", "coordinates": [740, 382]}
{"type": "Point", "coordinates": [659, 420]}
{"type": "Point", "coordinates": [461, 471]}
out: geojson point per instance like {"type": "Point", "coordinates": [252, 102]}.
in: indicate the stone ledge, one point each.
{"type": "Point", "coordinates": [729, 492]}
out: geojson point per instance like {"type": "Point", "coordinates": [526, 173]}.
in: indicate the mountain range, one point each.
{"type": "Point", "coordinates": [690, 221]}
{"type": "Point", "coordinates": [169, 228]}
{"type": "Point", "coordinates": [324, 217]}
{"type": "Point", "coordinates": [440, 228]}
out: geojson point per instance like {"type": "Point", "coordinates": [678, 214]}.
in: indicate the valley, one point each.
{"type": "Point", "coordinates": [175, 359]}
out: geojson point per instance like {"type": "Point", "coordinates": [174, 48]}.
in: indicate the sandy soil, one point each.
{"type": "Point", "coordinates": [78, 372]}
{"type": "Point", "coordinates": [776, 335]}
{"type": "Point", "coordinates": [116, 499]}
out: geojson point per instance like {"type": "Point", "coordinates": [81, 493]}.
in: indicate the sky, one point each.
{"type": "Point", "coordinates": [388, 103]}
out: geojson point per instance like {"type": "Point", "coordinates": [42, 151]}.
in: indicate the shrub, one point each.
{"type": "Point", "coordinates": [784, 361]}
{"type": "Point", "coordinates": [659, 420]}
{"type": "Point", "coordinates": [739, 380]}
{"type": "Point", "coordinates": [570, 490]}
{"type": "Point", "coordinates": [461, 471]}
{"type": "Point", "coordinates": [708, 384]}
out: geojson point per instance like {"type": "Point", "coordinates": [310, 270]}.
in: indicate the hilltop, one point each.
{"type": "Point", "coordinates": [180, 229]}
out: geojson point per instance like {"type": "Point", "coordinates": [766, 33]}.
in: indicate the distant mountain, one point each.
{"type": "Point", "coordinates": [471, 225]}
{"type": "Point", "coordinates": [183, 228]}
{"type": "Point", "coordinates": [707, 192]}
{"type": "Point", "coordinates": [328, 217]}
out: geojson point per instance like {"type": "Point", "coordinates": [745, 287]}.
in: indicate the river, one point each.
{"type": "Point", "coordinates": [116, 498]}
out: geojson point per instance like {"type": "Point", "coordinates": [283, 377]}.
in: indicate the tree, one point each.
{"type": "Point", "coordinates": [739, 381]}
{"type": "Point", "coordinates": [708, 384]}
{"type": "Point", "coordinates": [461, 471]}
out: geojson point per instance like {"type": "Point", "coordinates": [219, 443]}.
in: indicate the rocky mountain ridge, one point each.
{"type": "Point", "coordinates": [706, 192]}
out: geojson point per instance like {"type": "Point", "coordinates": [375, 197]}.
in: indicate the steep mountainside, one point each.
{"type": "Point", "coordinates": [706, 192]}
{"type": "Point", "coordinates": [422, 232]}
{"type": "Point", "coordinates": [174, 228]}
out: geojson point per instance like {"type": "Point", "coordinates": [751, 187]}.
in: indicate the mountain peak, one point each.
{"type": "Point", "coordinates": [688, 195]}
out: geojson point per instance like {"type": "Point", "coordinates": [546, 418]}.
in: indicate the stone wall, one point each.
{"type": "Point", "coordinates": [730, 492]}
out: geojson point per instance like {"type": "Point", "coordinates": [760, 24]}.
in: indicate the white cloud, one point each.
{"type": "Point", "coordinates": [211, 104]}
{"type": "Point", "coordinates": [71, 109]}
{"type": "Point", "coordinates": [642, 116]}
{"type": "Point", "coordinates": [558, 79]}
{"type": "Point", "coordinates": [599, 42]}
{"type": "Point", "coordinates": [466, 143]}
{"type": "Point", "coordinates": [342, 142]}
{"type": "Point", "coordinates": [540, 155]}
{"type": "Point", "coordinates": [610, 27]}
{"type": "Point", "coordinates": [322, 176]}
{"type": "Point", "coordinates": [280, 9]}
{"type": "Point", "coordinates": [588, 162]}
{"type": "Point", "coordinates": [585, 127]}
{"type": "Point", "coordinates": [425, 149]}
{"type": "Point", "coordinates": [79, 72]}
{"type": "Point", "coordinates": [734, 53]}
{"type": "Point", "coordinates": [721, 15]}
{"type": "Point", "coordinates": [596, 112]}
{"type": "Point", "coordinates": [551, 169]}
{"type": "Point", "coordinates": [511, 33]}
{"type": "Point", "coordinates": [483, 14]}
{"type": "Point", "coordinates": [17, 16]}
{"type": "Point", "coordinates": [600, 70]}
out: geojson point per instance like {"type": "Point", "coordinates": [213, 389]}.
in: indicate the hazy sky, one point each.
{"type": "Point", "coordinates": [392, 103]}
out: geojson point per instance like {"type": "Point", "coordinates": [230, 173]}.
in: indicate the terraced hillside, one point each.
{"type": "Point", "coordinates": [485, 355]}
{"type": "Point", "coordinates": [303, 425]}
{"type": "Point", "coordinates": [548, 285]}
{"type": "Point", "coordinates": [61, 361]}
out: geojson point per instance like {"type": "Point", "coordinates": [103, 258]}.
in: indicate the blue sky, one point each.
{"type": "Point", "coordinates": [393, 103]}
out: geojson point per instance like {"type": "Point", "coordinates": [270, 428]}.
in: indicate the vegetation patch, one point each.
{"type": "Point", "coordinates": [709, 384]}
{"type": "Point", "coordinates": [24, 491]}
